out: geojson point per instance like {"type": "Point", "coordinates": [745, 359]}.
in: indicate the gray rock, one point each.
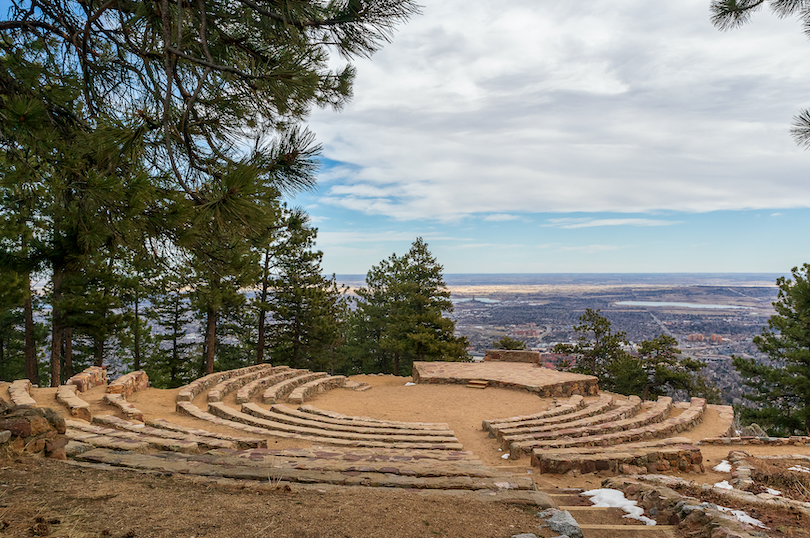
{"type": "Point", "coordinates": [547, 513]}
{"type": "Point", "coordinates": [564, 523]}
{"type": "Point", "coordinates": [753, 430]}
{"type": "Point", "coordinates": [5, 436]}
{"type": "Point", "coordinates": [524, 535]}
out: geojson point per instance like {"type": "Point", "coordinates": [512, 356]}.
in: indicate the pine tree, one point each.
{"type": "Point", "coordinates": [401, 314]}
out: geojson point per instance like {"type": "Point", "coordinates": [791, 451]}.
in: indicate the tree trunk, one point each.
{"type": "Point", "coordinates": [396, 363]}
{"type": "Point", "coordinates": [56, 327]}
{"type": "Point", "coordinates": [31, 365]}
{"type": "Point", "coordinates": [137, 335]}
{"type": "Point", "coordinates": [99, 354]}
{"type": "Point", "coordinates": [210, 339]}
{"type": "Point", "coordinates": [68, 340]}
{"type": "Point", "coordinates": [260, 343]}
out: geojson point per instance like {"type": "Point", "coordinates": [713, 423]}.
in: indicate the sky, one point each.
{"type": "Point", "coordinates": [596, 136]}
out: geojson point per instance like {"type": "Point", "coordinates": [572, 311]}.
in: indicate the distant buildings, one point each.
{"type": "Point", "coordinates": [714, 339]}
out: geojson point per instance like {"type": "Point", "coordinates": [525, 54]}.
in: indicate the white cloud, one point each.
{"type": "Point", "coordinates": [590, 248]}
{"type": "Point", "coordinates": [496, 109]}
{"type": "Point", "coordinates": [500, 217]}
{"type": "Point", "coordinates": [571, 223]}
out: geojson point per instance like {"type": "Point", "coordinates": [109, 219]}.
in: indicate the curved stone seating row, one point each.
{"type": "Point", "coordinates": [100, 436]}
{"type": "Point", "coordinates": [278, 391]}
{"type": "Point", "coordinates": [601, 405]}
{"type": "Point", "coordinates": [198, 386]}
{"type": "Point", "coordinates": [88, 378]}
{"type": "Point", "coordinates": [247, 392]}
{"type": "Point", "coordinates": [66, 395]}
{"type": "Point", "coordinates": [656, 413]}
{"type": "Point", "coordinates": [368, 421]}
{"type": "Point", "coordinates": [302, 392]}
{"type": "Point", "coordinates": [652, 459]}
{"type": "Point", "coordinates": [686, 420]}
{"type": "Point", "coordinates": [20, 393]}
{"type": "Point", "coordinates": [263, 464]}
{"type": "Point", "coordinates": [128, 410]}
{"type": "Point", "coordinates": [109, 421]}
{"type": "Point", "coordinates": [622, 410]}
{"type": "Point", "coordinates": [286, 415]}
{"type": "Point", "coordinates": [129, 383]}
{"type": "Point", "coordinates": [308, 412]}
{"type": "Point", "coordinates": [572, 404]}
{"type": "Point", "coordinates": [231, 384]}
{"type": "Point", "coordinates": [273, 427]}
{"type": "Point", "coordinates": [238, 441]}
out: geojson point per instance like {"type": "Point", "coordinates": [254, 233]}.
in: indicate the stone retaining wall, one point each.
{"type": "Point", "coordinates": [37, 431]}
{"type": "Point", "coordinates": [129, 383]}
{"type": "Point", "coordinates": [794, 440]}
{"type": "Point", "coordinates": [89, 378]}
{"type": "Point", "coordinates": [511, 355]}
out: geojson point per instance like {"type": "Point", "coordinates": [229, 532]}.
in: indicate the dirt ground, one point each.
{"type": "Point", "coordinates": [88, 502]}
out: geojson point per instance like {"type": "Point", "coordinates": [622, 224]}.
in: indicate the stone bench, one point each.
{"type": "Point", "coordinates": [128, 410]}
{"type": "Point", "coordinates": [653, 459]}
{"type": "Point", "coordinates": [240, 442]}
{"type": "Point", "coordinates": [671, 426]}
{"type": "Point", "coordinates": [307, 390]}
{"type": "Point", "coordinates": [87, 433]}
{"type": "Point", "coordinates": [129, 383]}
{"type": "Point", "coordinates": [330, 417]}
{"type": "Point", "coordinates": [656, 413]}
{"type": "Point", "coordinates": [226, 386]}
{"type": "Point", "coordinates": [345, 438]}
{"type": "Point", "coordinates": [20, 393]}
{"type": "Point", "coordinates": [192, 410]}
{"type": "Point", "coordinates": [116, 423]}
{"type": "Point", "coordinates": [89, 378]}
{"type": "Point", "coordinates": [541, 453]}
{"type": "Point", "coordinates": [569, 406]}
{"type": "Point", "coordinates": [604, 403]}
{"type": "Point", "coordinates": [247, 392]}
{"type": "Point", "coordinates": [276, 392]}
{"type": "Point", "coordinates": [66, 395]}
{"type": "Point", "coordinates": [623, 409]}
{"type": "Point", "coordinates": [188, 392]}
{"type": "Point", "coordinates": [286, 415]}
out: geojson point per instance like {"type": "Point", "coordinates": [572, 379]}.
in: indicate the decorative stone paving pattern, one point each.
{"type": "Point", "coordinates": [321, 436]}
{"type": "Point", "coordinates": [286, 415]}
{"type": "Point", "coordinates": [198, 386]}
{"type": "Point", "coordinates": [601, 405]}
{"type": "Point", "coordinates": [246, 393]}
{"type": "Point", "coordinates": [627, 408]}
{"type": "Point", "coordinates": [369, 421]}
{"type": "Point", "coordinates": [66, 395]}
{"type": "Point", "coordinates": [302, 392]}
{"type": "Point", "coordinates": [20, 393]}
{"type": "Point", "coordinates": [135, 427]}
{"type": "Point", "coordinates": [240, 442]}
{"type": "Point", "coordinates": [235, 383]}
{"type": "Point", "coordinates": [510, 375]}
{"type": "Point", "coordinates": [276, 392]}
{"type": "Point", "coordinates": [569, 406]}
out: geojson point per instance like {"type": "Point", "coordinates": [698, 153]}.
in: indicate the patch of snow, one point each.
{"type": "Point", "coordinates": [723, 467]}
{"type": "Point", "coordinates": [724, 485]}
{"type": "Point", "coordinates": [773, 491]}
{"type": "Point", "coordinates": [742, 517]}
{"type": "Point", "coordinates": [614, 498]}
{"type": "Point", "coordinates": [800, 468]}
{"type": "Point", "coordinates": [409, 384]}
{"type": "Point", "coordinates": [505, 457]}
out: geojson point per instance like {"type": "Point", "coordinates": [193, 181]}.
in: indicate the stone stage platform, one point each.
{"type": "Point", "coordinates": [544, 382]}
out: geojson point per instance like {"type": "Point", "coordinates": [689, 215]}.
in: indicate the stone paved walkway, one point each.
{"type": "Point", "coordinates": [511, 375]}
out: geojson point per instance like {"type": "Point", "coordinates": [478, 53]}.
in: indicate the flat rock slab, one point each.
{"type": "Point", "coordinates": [511, 375]}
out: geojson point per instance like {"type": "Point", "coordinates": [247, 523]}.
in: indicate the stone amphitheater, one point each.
{"type": "Point", "coordinates": [275, 424]}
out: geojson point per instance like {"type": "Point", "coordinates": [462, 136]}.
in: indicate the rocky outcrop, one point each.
{"type": "Point", "coordinates": [34, 431]}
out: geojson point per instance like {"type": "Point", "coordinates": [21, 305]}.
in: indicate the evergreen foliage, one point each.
{"type": "Point", "coordinates": [507, 342]}
{"type": "Point", "coordinates": [400, 315]}
{"type": "Point", "coordinates": [780, 390]}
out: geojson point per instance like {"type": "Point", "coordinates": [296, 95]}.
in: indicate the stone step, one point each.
{"type": "Point", "coordinates": [369, 421]}
{"type": "Point", "coordinates": [360, 454]}
{"type": "Point", "coordinates": [570, 405]}
{"type": "Point", "coordinates": [323, 436]}
{"type": "Point", "coordinates": [276, 392]}
{"type": "Point", "coordinates": [135, 427]}
{"type": "Point", "coordinates": [247, 392]}
{"type": "Point", "coordinates": [649, 531]}
{"type": "Point", "coordinates": [282, 413]}
{"type": "Point", "coordinates": [226, 386]}
{"type": "Point", "coordinates": [103, 441]}
{"type": "Point", "coordinates": [682, 457]}
{"type": "Point", "coordinates": [323, 384]}
{"type": "Point", "coordinates": [187, 464]}
{"type": "Point", "coordinates": [477, 384]}
{"type": "Point", "coordinates": [601, 405]}
{"type": "Point", "coordinates": [82, 431]}
{"type": "Point", "coordinates": [239, 441]}
{"type": "Point", "coordinates": [188, 392]}
{"type": "Point", "coordinates": [593, 515]}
